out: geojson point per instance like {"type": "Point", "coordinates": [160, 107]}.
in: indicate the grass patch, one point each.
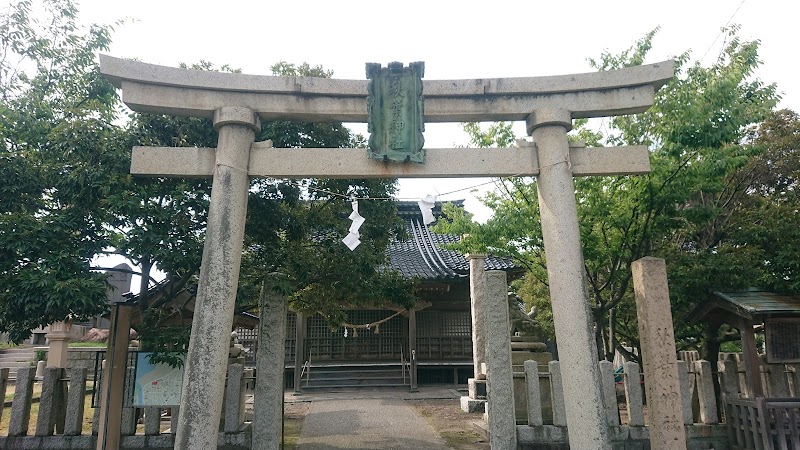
{"type": "Point", "coordinates": [88, 412]}
{"type": "Point", "coordinates": [460, 438]}
{"type": "Point", "coordinates": [7, 345]}
{"type": "Point", "coordinates": [88, 344]}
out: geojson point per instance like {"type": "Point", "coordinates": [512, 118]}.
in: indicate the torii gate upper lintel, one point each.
{"type": "Point", "coordinates": [237, 103]}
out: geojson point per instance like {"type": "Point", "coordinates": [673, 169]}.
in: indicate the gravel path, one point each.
{"type": "Point", "coordinates": [387, 423]}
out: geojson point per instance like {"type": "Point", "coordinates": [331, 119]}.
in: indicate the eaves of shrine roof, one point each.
{"type": "Point", "coordinates": [752, 304]}
{"type": "Point", "coordinates": [423, 255]}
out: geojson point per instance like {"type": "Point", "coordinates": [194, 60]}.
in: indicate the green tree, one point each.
{"type": "Point", "coordinates": [58, 149]}
{"type": "Point", "coordinates": [680, 211]}
{"type": "Point", "coordinates": [66, 194]}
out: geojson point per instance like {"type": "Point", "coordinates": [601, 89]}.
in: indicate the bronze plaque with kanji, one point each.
{"type": "Point", "coordinates": [395, 111]}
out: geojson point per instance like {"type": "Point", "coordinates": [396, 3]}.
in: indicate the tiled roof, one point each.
{"type": "Point", "coordinates": [422, 254]}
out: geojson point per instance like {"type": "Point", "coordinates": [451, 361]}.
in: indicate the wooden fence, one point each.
{"type": "Point", "coordinates": [61, 413]}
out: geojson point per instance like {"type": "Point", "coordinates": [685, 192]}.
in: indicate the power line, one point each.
{"type": "Point", "coordinates": [722, 30]}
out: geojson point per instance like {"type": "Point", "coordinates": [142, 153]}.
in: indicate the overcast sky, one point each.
{"type": "Point", "coordinates": [456, 40]}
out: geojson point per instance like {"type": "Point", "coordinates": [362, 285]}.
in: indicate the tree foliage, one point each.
{"type": "Point", "coordinates": [57, 163]}
{"type": "Point", "coordinates": [66, 195]}
{"type": "Point", "coordinates": [685, 210]}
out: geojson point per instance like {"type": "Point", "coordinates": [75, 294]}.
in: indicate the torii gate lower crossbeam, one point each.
{"type": "Point", "coordinates": [549, 103]}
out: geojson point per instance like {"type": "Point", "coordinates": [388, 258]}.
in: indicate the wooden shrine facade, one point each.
{"type": "Point", "coordinates": [437, 332]}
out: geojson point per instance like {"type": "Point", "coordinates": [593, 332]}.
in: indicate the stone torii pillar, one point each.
{"type": "Point", "coordinates": [566, 275]}
{"type": "Point", "coordinates": [202, 393]}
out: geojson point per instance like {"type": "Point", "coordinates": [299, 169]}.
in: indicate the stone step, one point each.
{"type": "Point", "coordinates": [355, 374]}
{"type": "Point", "coordinates": [354, 387]}
{"type": "Point", "coordinates": [329, 377]}
{"type": "Point", "coordinates": [15, 364]}
{"type": "Point", "coordinates": [358, 382]}
{"type": "Point", "coordinates": [20, 359]}
{"type": "Point", "coordinates": [13, 350]}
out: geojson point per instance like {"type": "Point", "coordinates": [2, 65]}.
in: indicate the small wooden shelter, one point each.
{"type": "Point", "coordinates": [761, 418]}
{"type": "Point", "coordinates": [778, 314]}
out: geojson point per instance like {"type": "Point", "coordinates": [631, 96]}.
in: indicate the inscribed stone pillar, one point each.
{"type": "Point", "coordinates": [658, 352]}
{"type": "Point", "coordinates": [268, 397]}
{"type": "Point", "coordinates": [477, 293]}
{"type": "Point", "coordinates": [206, 361]}
{"type": "Point", "coordinates": [572, 318]}
{"type": "Point", "coordinates": [499, 377]}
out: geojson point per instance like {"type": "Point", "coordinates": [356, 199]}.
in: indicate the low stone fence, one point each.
{"type": "Point", "coordinates": [541, 416]}
{"type": "Point", "coordinates": [85, 357]}
{"type": "Point", "coordinates": [60, 418]}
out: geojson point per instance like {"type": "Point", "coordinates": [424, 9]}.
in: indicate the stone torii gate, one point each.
{"type": "Point", "coordinates": [237, 103]}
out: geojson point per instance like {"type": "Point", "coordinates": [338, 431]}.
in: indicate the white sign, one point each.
{"type": "Point", "coordinates": [156, 384]}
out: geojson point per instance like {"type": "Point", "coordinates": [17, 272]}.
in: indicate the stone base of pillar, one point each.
{"type": "Point", "coordinates": [472, 405]}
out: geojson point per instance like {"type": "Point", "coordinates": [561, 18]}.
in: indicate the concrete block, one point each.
{"type": "Point", "coordinates": [32, 442]}
{"type": "Point", "coordinates": [638, 433]}
{"type": "Point", "coordinates": [518, 358]}
{"type": "Point", "coordinates": [82, 442]}
{"type": "Point", "coordinates": [544, 436]}
{"type": "Point", "coordinates": [471, 405]}
{"type": "Point", "coordinates": [476, 388]}
{"type": "Point", "coordinates": [161, 441]}
{"type": "Point", "coordinates": [619, 434]}
{"type": "Point", "coordinates": [134, 441]}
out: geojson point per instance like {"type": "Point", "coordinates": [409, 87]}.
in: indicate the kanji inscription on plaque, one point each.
{"type": "Point", "coordinates": [395, 112]}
